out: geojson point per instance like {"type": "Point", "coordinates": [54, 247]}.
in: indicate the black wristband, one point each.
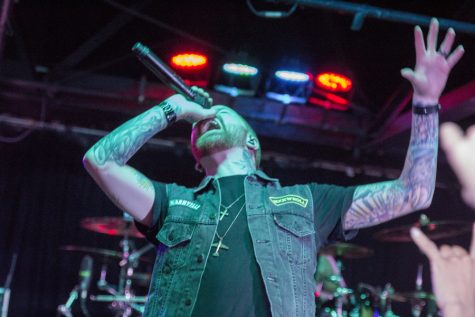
{"type": "Point", "coordinates": [170, 114]}
{"type": "Point", "coordinates": [425, 110]}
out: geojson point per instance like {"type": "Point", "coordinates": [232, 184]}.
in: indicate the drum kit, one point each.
{"type": "Point", "coordinates": [335, 299]}
{"type": "Point", "coordinates": [121, 297]}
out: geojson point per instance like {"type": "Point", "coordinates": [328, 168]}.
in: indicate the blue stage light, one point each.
{"type": "Point", "coordinates": [292, 76]}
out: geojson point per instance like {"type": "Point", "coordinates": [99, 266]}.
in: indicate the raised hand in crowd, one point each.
{"type": "Point", "coordinates": [453, 275]}
{"type": "Point", "coordinates": [460, 151]}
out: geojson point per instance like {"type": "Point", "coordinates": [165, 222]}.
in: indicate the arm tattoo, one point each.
{"type": "Point", "coordinates": [413, 190]}
{"type": "Point", "coordinates": [126, 140]}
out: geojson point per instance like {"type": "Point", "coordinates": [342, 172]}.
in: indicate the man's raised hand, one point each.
{"type": "Point", "coordinates": [432, 66]}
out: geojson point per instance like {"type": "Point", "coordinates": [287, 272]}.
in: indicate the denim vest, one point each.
{"type": "Point", "coordinates": [281, 224]}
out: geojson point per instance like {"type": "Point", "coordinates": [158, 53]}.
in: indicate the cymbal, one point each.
{"type": "Point", "coordinates": [435, 230]}
{"type": "Point", "coordinates": [346, 251]}
{"type": "Point", "coordinates": [114, 226]}
{"type": "Point", "coordinates": [418, 295]}
{"type": "Point", "coordinates": [105, 252]}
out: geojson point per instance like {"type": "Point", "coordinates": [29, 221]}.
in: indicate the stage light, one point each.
{"type": "Point", "coordinates": [189, 61]}
{"type": "Point", "coordinates": [239, 75]}
{"type": "Point", "coordinates": [292, 76]}
{"type": "Point", "coordinates": [289, 86]}
{"type": "Point", "coordinates": [192, 67]}
{"type": "Point", "coordinates": [332, 91]}
{"type": "Point", "coordinates": [333, 82]}
{"type": "Point", "coordinates": [240, 69]}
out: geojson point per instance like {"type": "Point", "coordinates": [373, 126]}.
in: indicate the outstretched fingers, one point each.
{"type": "Point", "coordinates": [446, 45]}
{"type": "Point", "coordinates": [419, 42]}
{"type": "Point", "coordinates": [432, 35]}
{"type": "Point", "coordinates": [408, 74]}
{"type": "Point", "coordinates": [455, 56]}
{"type": "Point", "coordinates": [428, 247]}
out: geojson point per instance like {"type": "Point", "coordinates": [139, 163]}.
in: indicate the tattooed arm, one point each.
{"type": "Point", "coordinates": [106, 161]}
{"type": "Point", "coordinates": [413, 190]}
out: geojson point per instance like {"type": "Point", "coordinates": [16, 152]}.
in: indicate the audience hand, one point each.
{"type": "Point", "coordinates": [453, 275]}
{"type": "Point", "coordinates": [460, 152]}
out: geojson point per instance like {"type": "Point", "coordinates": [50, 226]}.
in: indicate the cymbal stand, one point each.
{"type": "Point", "coordinates": [123, 291]}
{"type": "Point", "coordinates": [65, 309]}
{"type": "Point", "coordinates": [339, 299]}
{"type": "Point", "coordinates": [417, 305]}
{"type": "Point", "coordinates": [385, 302]}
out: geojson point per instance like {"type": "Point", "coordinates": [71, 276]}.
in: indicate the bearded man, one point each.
{"type": "Point", "coordinates": [240, 244]}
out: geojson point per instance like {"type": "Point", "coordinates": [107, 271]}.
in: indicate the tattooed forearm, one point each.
{"type": "Point", "coordinates": [123, 142]}
{"type": "Point", "coordinates": [413, 190]}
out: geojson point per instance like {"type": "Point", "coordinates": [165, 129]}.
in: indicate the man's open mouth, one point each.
{"type": "Point", "coordinates": [210, 125]}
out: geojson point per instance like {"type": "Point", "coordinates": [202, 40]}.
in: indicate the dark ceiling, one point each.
{"type": "Point", "coordinates": [71, 62]}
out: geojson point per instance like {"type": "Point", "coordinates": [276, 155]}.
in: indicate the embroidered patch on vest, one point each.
{"type": "Point", "coordinates": [289, 199]}
{"type": "Point", "coordinates": [185, 203]}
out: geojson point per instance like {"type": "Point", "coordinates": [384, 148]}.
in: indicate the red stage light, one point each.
{"type": "Point", "coordinates": [189, 61]}
{"type": "Point", "coordinates": [334, 82]}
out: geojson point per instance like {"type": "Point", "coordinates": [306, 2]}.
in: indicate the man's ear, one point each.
{"type": "Point", "coordinates": [252, 143]}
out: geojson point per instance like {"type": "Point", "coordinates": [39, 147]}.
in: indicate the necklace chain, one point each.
{"type": "Point", "coordinates": [218, 245]}
{"type": "Point", "coordinates": [232, 204]}
{"type": "Point", "coordinates": [224, 212]}
{"type": "Point", "coordinates": [232, 222]}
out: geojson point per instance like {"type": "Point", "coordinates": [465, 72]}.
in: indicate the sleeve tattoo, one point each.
{"type": "Point", "coordinates": [413, 190]}
{"type": "Point", "coordinates": [122, 143]}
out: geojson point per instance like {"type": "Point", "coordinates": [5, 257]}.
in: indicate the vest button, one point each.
{"type": "Point", "coordinates": [167, 269]}
{"type": "Point", "coordinates": [187, 302]}
{"type": "Point", "coordinates": [200, 258]}
{"type": "Point", "coordinates": [212, 217]}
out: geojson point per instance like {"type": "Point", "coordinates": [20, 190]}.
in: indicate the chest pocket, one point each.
{"type": "Point", "coordinates": [176, 236]}
{"type": "Point", "coordinates": [295, 236]}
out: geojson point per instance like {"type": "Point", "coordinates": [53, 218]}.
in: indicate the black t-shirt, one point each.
{"type": "Point", "coordinates": [232, 284]}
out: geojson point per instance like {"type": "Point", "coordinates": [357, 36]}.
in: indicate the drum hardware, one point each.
{"type": "Point", "coordinates": [435, 230]}
{"type": "Point", "coordinates": [114, 226]}
{"type": "Point", "coordinates": [341, 301]}
{"type": "Point", "coordinates": [346, 251]}
{"type": "Point", "coordinates": [111, 298]}
{"type": "Point", "coordinates": [121, 296]}
{"type": "Point", "coordinates": [5, 291]}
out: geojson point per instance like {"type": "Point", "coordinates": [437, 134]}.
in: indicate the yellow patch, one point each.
{"type": "Point", "coordinates": [289, 199]}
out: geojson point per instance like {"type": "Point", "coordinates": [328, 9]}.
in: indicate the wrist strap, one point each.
{"type": "Point", "coordinates": [425, 110]}
{"type": "Point", "coordinates": [170, 114]}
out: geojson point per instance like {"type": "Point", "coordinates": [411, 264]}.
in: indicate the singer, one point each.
{"type": "Point", "coordinates": [240, 244]}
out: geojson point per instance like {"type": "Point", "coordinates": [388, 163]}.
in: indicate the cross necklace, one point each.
{"type": "Point", "coordinates": [220, 245]}
{"type": "Point", "coordinates": [224, 212]}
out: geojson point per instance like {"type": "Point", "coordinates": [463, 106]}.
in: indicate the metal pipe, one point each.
{"type": "Point", "coordinates": [368, 11]}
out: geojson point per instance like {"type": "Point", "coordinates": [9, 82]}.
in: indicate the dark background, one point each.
{"type": "Point", "coordinates": [54, 108]}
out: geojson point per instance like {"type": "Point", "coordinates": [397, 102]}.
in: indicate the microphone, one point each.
{"type": "Point", "coordinates": [85, 276]}
{"type": "Point", "coordinates": [166, 74]}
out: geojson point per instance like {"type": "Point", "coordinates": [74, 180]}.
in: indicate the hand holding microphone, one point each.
{"type": "Point", "coordinates": [169, 77]}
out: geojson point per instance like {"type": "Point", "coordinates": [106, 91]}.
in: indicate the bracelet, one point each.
{"type": "Point", "coordinates": [425, 110]}
{"type": "Point", "coordinates": [170, 114]}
